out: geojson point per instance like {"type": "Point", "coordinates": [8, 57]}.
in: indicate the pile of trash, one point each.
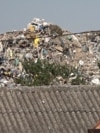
{"type": "Point", "coordinates": [37, 41]}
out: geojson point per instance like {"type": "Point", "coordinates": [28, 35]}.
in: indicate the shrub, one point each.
{"type": "Point", "coordinates": [55, 29]}
{"type": "Point", "coordinates": [44, 73]}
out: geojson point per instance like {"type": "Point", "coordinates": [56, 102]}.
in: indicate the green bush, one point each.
{"type": "Point", "coordinates": [55, 29]}
{"type": "Point", "coordinates": [79, 80]}
{"type": "Point", "coordinates": [44, 73]}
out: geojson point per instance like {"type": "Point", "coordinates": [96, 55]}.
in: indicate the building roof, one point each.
{"type": "Point", "coordinates": [53, 109]}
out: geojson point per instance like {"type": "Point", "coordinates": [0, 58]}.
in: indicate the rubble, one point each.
{"type": "Point", "coordinates": [80, 50]}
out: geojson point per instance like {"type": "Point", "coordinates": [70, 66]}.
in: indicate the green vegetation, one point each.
{"type": "Point", "coordinates": [44, 73]}
{"type": "Point", "coordinates": [55, 29]}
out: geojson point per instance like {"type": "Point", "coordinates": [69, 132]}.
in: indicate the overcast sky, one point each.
{"type": "Point", "coordinates": [72, 15]}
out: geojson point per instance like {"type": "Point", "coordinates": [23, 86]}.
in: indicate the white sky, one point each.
{"type": "Point", "coordinates": [72, 15]}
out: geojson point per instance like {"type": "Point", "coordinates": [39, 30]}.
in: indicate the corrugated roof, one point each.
{"type": "Point", "coordinates": [49, 109]}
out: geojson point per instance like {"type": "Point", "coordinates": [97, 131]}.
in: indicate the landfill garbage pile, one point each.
{"type": "Point", "coordinates": [45, 41]}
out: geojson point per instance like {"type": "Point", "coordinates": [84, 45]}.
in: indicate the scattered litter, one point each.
{"type": "Point", "coordinates": [37, 41]}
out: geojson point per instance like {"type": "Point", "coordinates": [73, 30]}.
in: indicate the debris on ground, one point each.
{"type": "Point", "coordinates": [45, 41]}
